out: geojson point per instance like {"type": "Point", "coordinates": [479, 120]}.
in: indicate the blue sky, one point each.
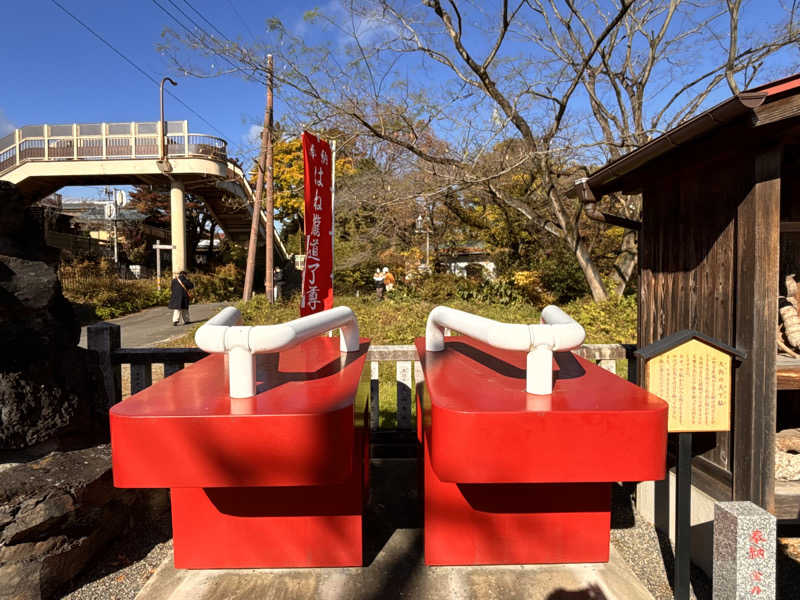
{"type": "Point", "coordinates": [55, 71]}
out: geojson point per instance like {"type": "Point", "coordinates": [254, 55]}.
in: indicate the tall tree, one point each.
{"type": "Point", "coordinates": [572, 82]}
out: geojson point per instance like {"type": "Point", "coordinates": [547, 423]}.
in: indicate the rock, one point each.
{"type": "Point", "coordinates": [787, 466]}
{"type": "Point", "coordinates": [788, 440]}
{"type": "Point", "coordinates": [52, 395]}
{"type": "Point", "coordinates": [37, 516]}
{"type": "Point", "coordinates": [59, 512]}
{"type": "Point", "coordinates": [26, 550]}
{"type": "Point", "coordinates": [47, 384]}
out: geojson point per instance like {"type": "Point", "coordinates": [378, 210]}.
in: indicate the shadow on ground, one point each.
{"type": "Point", "coordinates": [150, 524]}
{"type": "Point", "coordinates": [593, 592]}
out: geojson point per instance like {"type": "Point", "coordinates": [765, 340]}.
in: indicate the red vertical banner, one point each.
{"type": "Point", "coordinates": [317, 292]}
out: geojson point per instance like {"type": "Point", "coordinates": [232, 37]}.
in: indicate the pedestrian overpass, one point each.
{"type": "Point", "coordinates": [41, 159]}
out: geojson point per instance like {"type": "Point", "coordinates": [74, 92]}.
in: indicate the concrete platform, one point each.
{"type": "Point", "coordinates": [398, 571]}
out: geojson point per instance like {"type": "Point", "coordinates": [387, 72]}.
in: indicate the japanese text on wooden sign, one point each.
{"type": "Point", "coordinates": [695, 380]}
{"type": "Point", "coordinates": [317, 291]}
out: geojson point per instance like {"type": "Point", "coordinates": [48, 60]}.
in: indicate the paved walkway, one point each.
{"type": "Point", "coordinates": [399, 572]}
{"type": "Point", "coordinates": [153, 325]}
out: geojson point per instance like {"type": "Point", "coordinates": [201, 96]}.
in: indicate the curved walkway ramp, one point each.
{"type": "Point", "coordinates": [40, 159]}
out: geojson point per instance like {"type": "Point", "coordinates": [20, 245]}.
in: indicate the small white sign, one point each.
{"type": "Point", "coordinates": [121, 198]}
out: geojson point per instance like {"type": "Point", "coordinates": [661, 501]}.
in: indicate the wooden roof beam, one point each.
{"type": "Point", "coordinates": [586, 196]}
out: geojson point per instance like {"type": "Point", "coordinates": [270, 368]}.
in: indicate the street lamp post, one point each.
{"type": "Point", "coordinates": [177, 204]}
{"type": "Point", "coordinates": [162, 126]}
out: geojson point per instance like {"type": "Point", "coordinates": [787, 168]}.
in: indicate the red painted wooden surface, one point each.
{"type": "Point", "coordinates": [274, 481]}
{"type": "Point", "coordinates": [278, 527]}
{"type": "Point", "coordinates": [511, 477]}
{"type": "Point", "coordinates": [595, 426]}
{"type": "Point", "coordinates": [180, 432]}
{"type": "Point", "coordinates": [514, 523]}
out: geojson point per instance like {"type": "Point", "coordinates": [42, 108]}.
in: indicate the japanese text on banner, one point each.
{"type": "Point", "coordinates": [317, 291]}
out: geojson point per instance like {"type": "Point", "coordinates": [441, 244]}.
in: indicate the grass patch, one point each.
{"type": "Point", "coordinates": [399, 321]}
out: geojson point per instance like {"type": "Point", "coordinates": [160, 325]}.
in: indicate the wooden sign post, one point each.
{"type": "Point", "coordinates": [159, 247]}
{"type": "Point", "coordinates": [692, 373]}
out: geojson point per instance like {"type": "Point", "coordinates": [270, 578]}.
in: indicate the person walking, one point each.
{"type": "Point", "coordinates": [388, 279]}
{"type": "Point", "coordinates": [379, 285]}
{"type": "Point", "coordinates": [179, 298]}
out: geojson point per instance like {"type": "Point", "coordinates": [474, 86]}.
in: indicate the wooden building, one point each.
{"type": "Point", "coordinates": [719, 205]}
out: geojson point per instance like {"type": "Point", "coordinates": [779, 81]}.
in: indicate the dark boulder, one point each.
{"type": "Point", "coordinates": [47, 387]}
{"type": "Point", "coordinates": [57, 513]}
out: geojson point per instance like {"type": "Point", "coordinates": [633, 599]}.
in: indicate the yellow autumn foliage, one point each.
{"type": "Point", "coordinates": [530, 283]}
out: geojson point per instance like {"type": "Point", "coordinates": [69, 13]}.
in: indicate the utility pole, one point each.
{"type": "Point", "coordinates": [269, 283]}
{"type": "Point", "coordinates": [112, 203]}
{"type": "Point", "coordinates": [262, 159]}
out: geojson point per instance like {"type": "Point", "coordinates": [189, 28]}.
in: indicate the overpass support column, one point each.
{"type": "Point", "coordinates": [177, 219]}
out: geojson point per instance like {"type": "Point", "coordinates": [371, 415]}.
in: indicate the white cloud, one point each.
{"type": "Point", "coordinates": [253, 136]}
{"type": "Point", "coordinates": [6, 126]}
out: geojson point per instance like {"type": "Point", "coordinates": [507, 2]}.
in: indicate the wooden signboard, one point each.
{"type": "Point", "coordinates": [695, 380]}
{"type": "Point", "coordinates": [693, 374]}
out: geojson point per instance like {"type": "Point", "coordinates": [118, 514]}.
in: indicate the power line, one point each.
{"type": "Point", "coordinates": [236, 67]}
{"type": "Point", "coordinates": [199, 14]}
{"type": "Point", "coordinates": [137, 67]}
{"type": "Point", "coordinates": [246, 26]}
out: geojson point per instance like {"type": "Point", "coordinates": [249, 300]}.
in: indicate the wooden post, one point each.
{"type": "Point", "coordinates": [404, 394]}
{"type": "Point", "coordinates": [608, 364]}
{"type": "Point", "coordinates": [683, 516]}
{"type": "Point", "coordinates": [103, 339]}
{"type": "Point", "coordinates": [374, 395]}
{"type": "Point", "coordinates": [170, 368]}
{"type": "Point", "coordinates": [269, 282]}
{"type": "Point", "coordinates": [261, 164]}
{"type": "Point", "coordinates": [757, 248]}
{"type": "Point", "coordinates": [141, 377]}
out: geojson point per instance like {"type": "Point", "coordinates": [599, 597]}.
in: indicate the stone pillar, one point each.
{"type": "Point", "coordinates": [744, 551]}
{"type": "Point", "coordinates": [177, 220]}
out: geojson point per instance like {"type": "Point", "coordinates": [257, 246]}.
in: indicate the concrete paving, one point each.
{"type": "Point", "coordinates": [153, 325]}
{"type": "Point", "coordinates": [398, 571]}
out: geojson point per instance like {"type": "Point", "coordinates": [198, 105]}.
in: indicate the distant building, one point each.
{"type": "Point", "coordinates": [470, 261]}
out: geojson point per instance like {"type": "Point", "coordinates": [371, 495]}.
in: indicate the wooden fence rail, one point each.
{"type": "Point", "coordinates": [104, 339]}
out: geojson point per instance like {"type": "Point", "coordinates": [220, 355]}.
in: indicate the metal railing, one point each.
{"type": "Point", "coordinates": [104, 339]}
{"type": "Point", "coordinates": [105, 141]}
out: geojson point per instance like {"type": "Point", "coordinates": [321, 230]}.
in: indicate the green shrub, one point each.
{"type": "Point", "coordinates": [102, 295]}
{"type": "Point", "coordinates": [609, 322]}
{"type": "Point", "coordinates": [428, 287]}
{"type": "Point", "coordinates": [561, 274]}
{"type": "Point", "coordinates": [356, 279]}
{"type": "Point", "coordinates": [226, 283]}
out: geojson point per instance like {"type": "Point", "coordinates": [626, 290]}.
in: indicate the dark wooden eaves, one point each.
{"type": "Point", "coordinates": [676, 339]}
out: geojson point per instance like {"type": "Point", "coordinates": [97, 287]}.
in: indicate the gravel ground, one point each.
{"type": "Point", "coordinates": [647, 551]}
{"type": "Point", "coordinates": [127, 563]}
{"type": "Point", "coordinates": [130, 561]}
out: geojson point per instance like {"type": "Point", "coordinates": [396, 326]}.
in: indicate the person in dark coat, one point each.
{"type": "Point", "coordinates": [179, 298]}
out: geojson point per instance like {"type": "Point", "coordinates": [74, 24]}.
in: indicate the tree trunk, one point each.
{"type": "Point", "coordinates": [210, 255]}
{"type": "Point", "coordinates": [626, 262]}
{"type": "Point", "coordinates": [590, 272]}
